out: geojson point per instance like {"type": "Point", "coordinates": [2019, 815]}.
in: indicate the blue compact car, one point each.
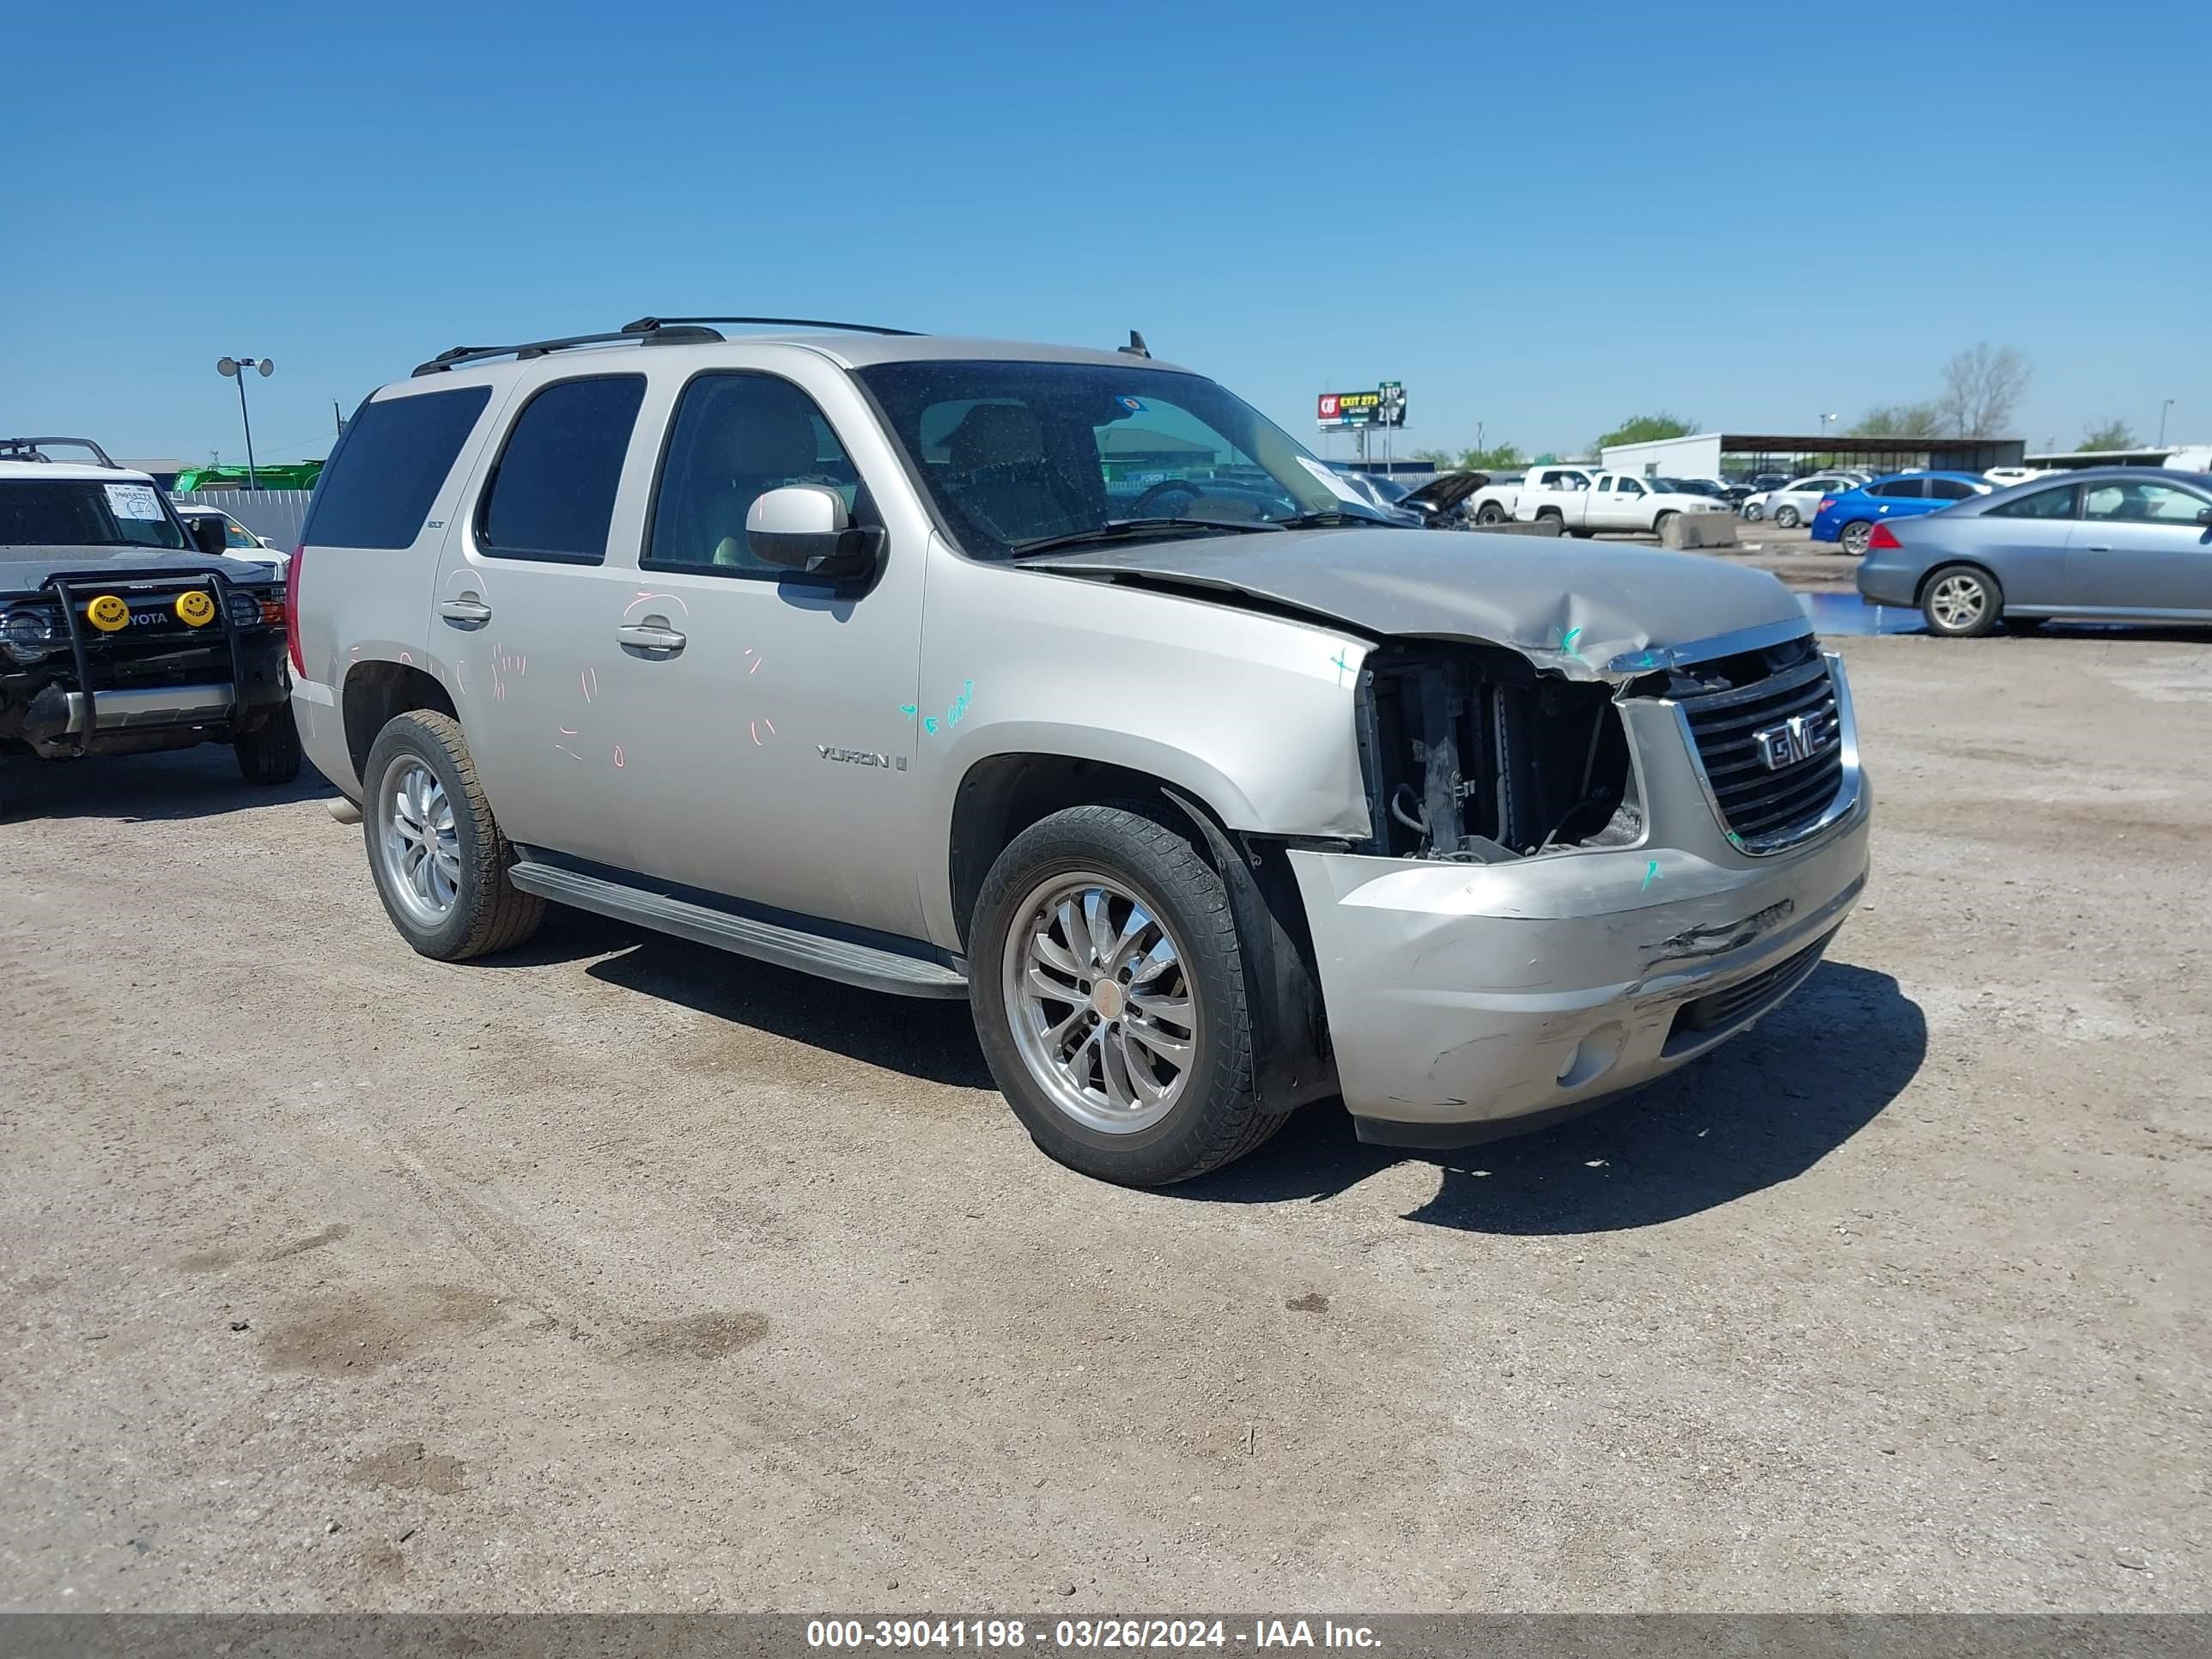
{"type": "Point", "coordinates": [1850, 518]}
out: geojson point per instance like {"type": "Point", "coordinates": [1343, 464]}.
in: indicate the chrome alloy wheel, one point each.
{"type": "Point", "coordinates": [1100, 1005]}
{"type": "Point", "coordinates": [416, 841]}
{"type": "Point", "coordinates": [1959, 603]}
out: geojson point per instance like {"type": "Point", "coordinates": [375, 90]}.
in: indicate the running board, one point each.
{"type": "Point", "coordinates": [786, 947]}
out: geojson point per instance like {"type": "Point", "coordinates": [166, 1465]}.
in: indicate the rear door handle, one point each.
{"type": "Point", "coordinates": [2094, 548]}
{"type": "Point", "coordinates": [466, 612]}
{"type": "Point", "coordinates": [651, 639]}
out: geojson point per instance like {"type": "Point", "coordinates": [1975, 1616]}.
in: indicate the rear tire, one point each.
{"type": "Point", "coordinates": [1489, 512]}
{"type": "Point", "coordinates": [1961, 602]}
{"type": "Point", "coordinates": [1787, 518]}
{"type": "Point", "coordinates": [434, 850]}
{"type": "Point", "coordinates": [269, 754]}
{"type": "Point", "coordinates": [1124, 1045]}
{"type": "Point", "coordinates": [1854, 538]}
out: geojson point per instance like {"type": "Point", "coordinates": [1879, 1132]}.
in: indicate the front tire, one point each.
{"type": "Point", "coordinates": [1787, 518]}
{"type": "Point", "coordinates": [1109, 995]}
{"type": "Point", "coordinates": [1855, 537]}
{"type": "Point", "coordinates": [269, 754]}
{"type": "Point", "coordinates": [1489, 512]}
{"type": "Point", "coordinates": [1961, 602]}
{"type": "Point", "coordinates": [437, 853]}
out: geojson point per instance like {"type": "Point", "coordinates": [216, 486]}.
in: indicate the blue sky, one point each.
{"type": "Point", "coordinates": [1538, 226]}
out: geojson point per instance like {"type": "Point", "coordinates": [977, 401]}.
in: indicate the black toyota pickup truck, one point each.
{"type": "Point", "coordinates": [121, 631]}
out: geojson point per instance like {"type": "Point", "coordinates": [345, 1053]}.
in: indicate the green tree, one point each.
{"type": "Point", "coordinates": [1498, 458]}
{"type": "Point", "coordinates": [1918, 420]}
{"type": "Point", "coordinates": [2109, 435]}
{"type": "Point", "coordinates": [1647, 428]}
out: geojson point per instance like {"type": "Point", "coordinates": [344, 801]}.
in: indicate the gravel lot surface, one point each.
{"type": "Point", "coordinates": [619, 1273]}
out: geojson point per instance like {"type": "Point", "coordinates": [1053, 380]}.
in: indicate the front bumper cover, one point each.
{"type": "Point", "coordinates": [1469, 1000]}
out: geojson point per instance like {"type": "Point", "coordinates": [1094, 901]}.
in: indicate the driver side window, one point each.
{"type": "Point", "coordinates": [735, 437]}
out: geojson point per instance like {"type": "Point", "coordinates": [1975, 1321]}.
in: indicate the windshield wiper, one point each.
{"type": "Point", "coordinates": [1117, 529]}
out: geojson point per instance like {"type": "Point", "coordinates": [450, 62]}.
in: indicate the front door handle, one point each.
{"type": "Point", "coordinates": [652, 637]}
{"type": "Point", "coordinates": [2093, 548]}
{"type": "Point", "coordinates": [467, 611]}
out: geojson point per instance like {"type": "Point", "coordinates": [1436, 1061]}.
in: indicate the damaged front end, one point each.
{"type": "Point", "coordinates": [1576, 880]}
{"type": "Point", "coordinates": [1471, 753]}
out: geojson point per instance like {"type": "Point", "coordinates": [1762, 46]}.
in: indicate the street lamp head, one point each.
{"type": "Point", "coordinates": [226, 367]}
{"type": "Point", "coordinates": [268, 367]}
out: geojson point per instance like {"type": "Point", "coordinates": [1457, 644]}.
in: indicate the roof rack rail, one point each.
{"type": "Point", "coordinates": [31, 449]}
{"type": "Point", "coordinates": [647, 324]}
{"type": "Point", "coordinates": [654, 334]}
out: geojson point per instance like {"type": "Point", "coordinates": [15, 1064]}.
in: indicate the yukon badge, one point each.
{"type": "Point", "coordinates": [856, 757]}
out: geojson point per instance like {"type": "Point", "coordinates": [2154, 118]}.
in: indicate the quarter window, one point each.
{"type": "Point", "coordinates": [1897, 487]}
{"type": "Point", "coordinates": [378, 485]}
{"type": "Point", "coordinates": [552, 494]}
{"type": "Point", "coordinates": [735, 437]}
{"type": "Point", "coordinates": [2043, 504]}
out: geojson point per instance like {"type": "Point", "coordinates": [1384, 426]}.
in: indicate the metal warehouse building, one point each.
{"type": "Point", "coordinates": [1701, 454]}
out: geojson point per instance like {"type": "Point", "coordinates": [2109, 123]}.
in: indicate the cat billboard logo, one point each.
{"type": "Point", "coordinates": [1385, 406]}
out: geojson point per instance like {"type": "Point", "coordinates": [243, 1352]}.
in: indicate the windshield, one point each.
{"type": "Point", "coordinates": [1014, 454]}
{"type": "Point", "coordinates": [84, 512]}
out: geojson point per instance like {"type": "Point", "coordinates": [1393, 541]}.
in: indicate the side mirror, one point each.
{"type": "Point", "coordinates": [2204, 516]}
{"type": "Point", "coordinates": [210, 536]}
{"type": "Point", "coordinates": [805, 528]}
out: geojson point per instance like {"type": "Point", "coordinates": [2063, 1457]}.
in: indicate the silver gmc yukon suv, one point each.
{"type": "Point", "coordinates": [921, 664]}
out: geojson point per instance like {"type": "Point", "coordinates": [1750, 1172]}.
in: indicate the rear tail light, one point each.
{"type": "Point", "coordinates": [1826, 502]}
{"type": "Point", "coordinates": [291, 612]}
{"type": "Point", "coordinates": [1883, 535]}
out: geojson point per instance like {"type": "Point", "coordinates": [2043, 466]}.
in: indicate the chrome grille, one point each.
{"type": "Point", "coordinates": [1763, 804]}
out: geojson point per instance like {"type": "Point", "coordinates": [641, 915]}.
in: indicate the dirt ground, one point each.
{"type": "Point", "coordinates": [622, 1274]}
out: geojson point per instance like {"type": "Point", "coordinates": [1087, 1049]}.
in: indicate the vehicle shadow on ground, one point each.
{"type": "Point", "coordinates": [1760, 1110]}
{"type": "Point", "coordinates": [930, 1040]}
{"type": "Point", "coordinates": [170, 786]}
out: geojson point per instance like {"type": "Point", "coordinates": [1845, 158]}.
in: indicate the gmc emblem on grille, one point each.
{"type": "Point", "coordinates": [1797, 739]}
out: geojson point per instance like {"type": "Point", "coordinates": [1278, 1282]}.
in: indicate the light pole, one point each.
{"type": "Point", "coordinates": [2162, 408]}
{"type": "Point", "coordinates": [234, 368]}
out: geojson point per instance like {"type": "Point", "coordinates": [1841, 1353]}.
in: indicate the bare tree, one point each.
{"type": "Point", "coordinates": [1981, 389]}
{"type": "Point", "coordinates": [1915, 420]}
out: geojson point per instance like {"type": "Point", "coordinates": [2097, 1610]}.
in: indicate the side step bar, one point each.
{"type": "Point", "coordinates": [786, 947]}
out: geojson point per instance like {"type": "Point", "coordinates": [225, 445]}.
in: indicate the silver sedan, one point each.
{"type": "Point", "coordinates": [2123, 544]}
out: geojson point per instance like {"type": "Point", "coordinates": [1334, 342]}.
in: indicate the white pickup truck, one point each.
{"type": "Point", "coordinates": [1584, 500]}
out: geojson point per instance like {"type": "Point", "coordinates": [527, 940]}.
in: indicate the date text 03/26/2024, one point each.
{"type": "Point", "coordinates": [1085, 1634]}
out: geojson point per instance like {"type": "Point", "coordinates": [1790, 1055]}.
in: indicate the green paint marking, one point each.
{"type": "Point", "coordinates": [1651, 872]}
{"type": "Point", "coordinates": [1567, 642]}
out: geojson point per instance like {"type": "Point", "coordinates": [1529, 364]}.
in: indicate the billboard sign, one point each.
{"type": "Point", "coordinates": [1384, 406]}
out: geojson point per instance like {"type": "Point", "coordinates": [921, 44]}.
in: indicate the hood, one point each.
{"type": "Point", "coordinates": [22, 569]}
{"type": "Point", "coordinates": [1590, 610]}
{"type": "Point", "coordinates": [1442, 494]}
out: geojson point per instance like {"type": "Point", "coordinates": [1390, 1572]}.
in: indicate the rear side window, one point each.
{"type": "Point", "coordinates": [1896, 487]}
{"type": "Point", "coordinates": [378, 486]}
{"type": "Point", "coordinates": [552, 495]}
{"type": "Point", "coordinates": [2043, 504]}
{"type": "Point", "coordinates": [1949, 490]}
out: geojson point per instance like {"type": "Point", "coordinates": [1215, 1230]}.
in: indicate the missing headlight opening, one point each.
{"type": "Point", "coordinates": [1474, 755]}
